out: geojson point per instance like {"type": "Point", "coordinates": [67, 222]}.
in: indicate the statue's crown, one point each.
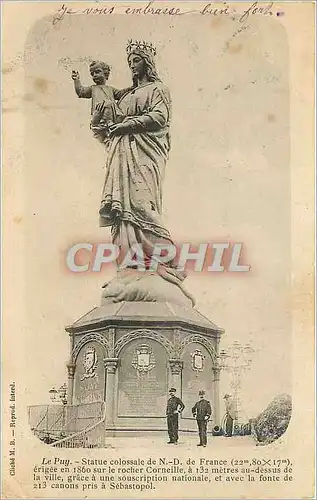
{"type": "Point", "coordinates": [140, 45]}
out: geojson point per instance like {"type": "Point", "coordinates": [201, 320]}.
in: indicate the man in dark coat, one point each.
{"type": "Point", "coordinates": [202, 412]}
{"type": "Point", "coordinates": [174, 407]}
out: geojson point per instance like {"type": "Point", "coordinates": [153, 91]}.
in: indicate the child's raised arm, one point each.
{"type": "Point", "coordinates": [81, 91]}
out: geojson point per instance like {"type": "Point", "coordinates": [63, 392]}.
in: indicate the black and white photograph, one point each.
{"type": "Point", "coordinates": [158, 252]}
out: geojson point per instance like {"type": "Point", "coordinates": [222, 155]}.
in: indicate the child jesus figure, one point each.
{"type": "Point", "coordinates": [104, 108]}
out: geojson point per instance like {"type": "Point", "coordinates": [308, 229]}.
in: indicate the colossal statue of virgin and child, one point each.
{"type": "Point", "coordinates": [138, 145]}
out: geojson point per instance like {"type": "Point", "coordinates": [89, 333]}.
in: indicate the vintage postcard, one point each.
{"type": "Point", "coordinates": [158, 250]}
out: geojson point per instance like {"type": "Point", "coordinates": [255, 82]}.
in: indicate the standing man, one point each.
{"type": "Point", "coordinates": [231, 414]}
{"type": "Point", "coordinates": [202, 412]}
{"type": "Point", "coordinates": [174, 407]}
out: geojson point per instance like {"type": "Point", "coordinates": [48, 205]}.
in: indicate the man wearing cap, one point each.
{"type": "Point", "coordinates": [174, 407]}
{"type": "Point", "coordinates": [231, 414]}
{"type": "Point", "coordinates": [202, 412]}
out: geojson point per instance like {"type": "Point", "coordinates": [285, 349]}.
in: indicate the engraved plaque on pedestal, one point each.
{"type": "Point", "coordinates": [143, 380]}
{"type": "Point", "coordinates": [90, 374]}
{"type": "Point", "coordinates": [197, 375]}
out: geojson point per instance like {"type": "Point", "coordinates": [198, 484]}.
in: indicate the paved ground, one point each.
{"type": "Point", "coordinates": [186, 442]}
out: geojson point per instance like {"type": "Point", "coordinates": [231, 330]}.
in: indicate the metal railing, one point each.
{"type": "Point", "coordinates": [91, 437]}
{"type": "Point", "coordinates": [54, 423]}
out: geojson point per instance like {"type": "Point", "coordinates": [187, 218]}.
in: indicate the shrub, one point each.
{"type": "Point", "coordinates": [273, 422]}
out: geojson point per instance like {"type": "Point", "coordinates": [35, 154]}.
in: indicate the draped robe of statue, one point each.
{"type": "Point", "coordinates": [132, 194]}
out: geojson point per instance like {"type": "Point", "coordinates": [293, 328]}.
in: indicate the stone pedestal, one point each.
{"type": "Point", "coordinates": [70, 386]}
{"type": "Point", "coordinates": [176, 366]}
{"type": "Point", "coordinates": [111, 367]}
{"type": "Point", "coordinates": [129, 354]}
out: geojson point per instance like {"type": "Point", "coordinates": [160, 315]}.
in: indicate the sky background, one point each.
{"type": "Point", "coordinates": [227, 179]}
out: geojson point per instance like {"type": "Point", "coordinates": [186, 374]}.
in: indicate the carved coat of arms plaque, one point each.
{"type": "Point", "coordinates": [197, 361]}
{"type": "Point", "coordinates": [143, 359]}
{"type": "Point", "coordinates": [90, 361]}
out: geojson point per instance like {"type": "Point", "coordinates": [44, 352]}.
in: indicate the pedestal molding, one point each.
{"type": "Point", "coordinates": [176, 366]}
{"type": "Point", "coordinates": [111, 364]}
{"type": "Point", "coordinates": [143, 333]}
{"type": "Point", "coordinates": [91, 337]}
{"type": "Point", "coordinates": [199, 339]}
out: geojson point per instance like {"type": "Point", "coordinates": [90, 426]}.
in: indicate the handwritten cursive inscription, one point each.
{"type": "Point", "coordinates": [255, 9]}
{"type": "Point", "coordinates": [153, 7]}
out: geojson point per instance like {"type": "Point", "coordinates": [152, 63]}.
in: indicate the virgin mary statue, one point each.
{"type": "Point", "coordinates": [132, 193]}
